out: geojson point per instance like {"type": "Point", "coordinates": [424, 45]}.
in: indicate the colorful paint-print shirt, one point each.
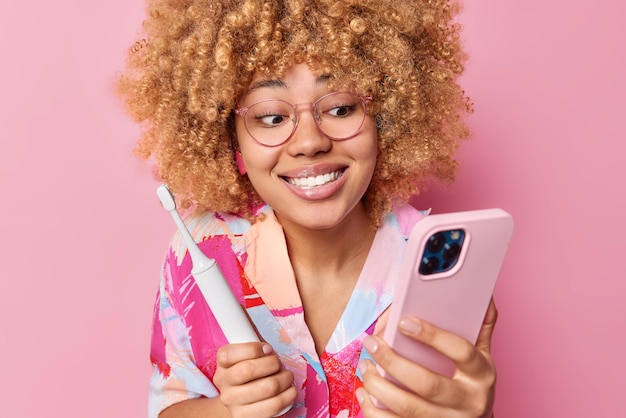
{"type": "Point", "coordinates": [254, 260]}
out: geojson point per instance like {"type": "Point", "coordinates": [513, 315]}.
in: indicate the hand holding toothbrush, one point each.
{"type": "Point", "coordinates": [252, 381]}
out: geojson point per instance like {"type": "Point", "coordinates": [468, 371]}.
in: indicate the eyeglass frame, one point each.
{"type": "Point", "coordinates": [242, 111]}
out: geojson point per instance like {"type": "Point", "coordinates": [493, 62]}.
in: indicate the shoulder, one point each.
{"type": "Point", "coordinates": [209, 226]}
{"type": "Point", "coordinates": [403, 217]}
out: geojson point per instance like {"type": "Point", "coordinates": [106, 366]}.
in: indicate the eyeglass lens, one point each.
{"type": "Point", "coordinates": [338, 115]}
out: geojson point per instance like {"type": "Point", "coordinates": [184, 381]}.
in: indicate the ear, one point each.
{"type": "Point", "coordinates": [240, 164]}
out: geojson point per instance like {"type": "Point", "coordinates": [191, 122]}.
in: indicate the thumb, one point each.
{"type": "Point", "coordinates": [483, 342]}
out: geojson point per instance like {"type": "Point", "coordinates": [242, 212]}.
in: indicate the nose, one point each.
{"type": "Point", "coordinates": [308, 139]}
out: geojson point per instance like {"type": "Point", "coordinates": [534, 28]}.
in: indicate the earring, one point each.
{"type": "Point", "coordinates": [240, 165]}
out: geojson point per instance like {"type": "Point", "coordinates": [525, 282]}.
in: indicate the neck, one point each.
{"type": "Point", "coordinates": [327, 264]}
{"type": "Point", "coordinates": [330, 252]}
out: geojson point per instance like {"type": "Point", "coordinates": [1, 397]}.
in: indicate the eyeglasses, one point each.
{"type": "Point", "coordinates": [339, 116]}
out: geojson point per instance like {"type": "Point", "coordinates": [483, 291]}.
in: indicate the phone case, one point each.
{"type": "Point", "coordinates": [456, 299]}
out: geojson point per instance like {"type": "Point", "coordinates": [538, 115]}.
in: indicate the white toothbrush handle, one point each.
{"type": "Point", "coordinates": [225, 307]}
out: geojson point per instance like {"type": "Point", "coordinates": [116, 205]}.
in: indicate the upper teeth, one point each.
{"type": "Point", "coordinates": [316, 180]}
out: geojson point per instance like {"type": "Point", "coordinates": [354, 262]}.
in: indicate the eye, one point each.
{"type": "Point", "coordinates": [270, 121]}
{"type": "Point", "coordinates": [338, 105]}
{"type": "Point", "coordinates": [270, 114]}
{"type": "Point", "coordinates": [341, 111]}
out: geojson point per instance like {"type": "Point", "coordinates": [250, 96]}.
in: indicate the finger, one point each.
{"type": "Point", "coordinates": [249, 370]}
{"type": "Point", "coordinates": [369, 409]}
{"type": "Point", "coordinates": [467, 357]}
{"type": "Point", "coordinates": [428, 385]}
{"type": "Point", "coordinates": [486, 331]}
{"type": "Point", "coordinates": [279, 405]}
{"type": "Point", "coordinates": [395, 401]}
{"type": "Point", "coordinates": [231, 354]}
{"type": "Point", "coordinates": [278, 386]}
{"type": "Point", "coordinates": [266, 408]}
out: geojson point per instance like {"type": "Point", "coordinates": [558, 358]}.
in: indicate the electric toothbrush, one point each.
{"type": "Point", "coordinates": [220, 298]}
{"type": "Point", "coordinates": [212, 284]}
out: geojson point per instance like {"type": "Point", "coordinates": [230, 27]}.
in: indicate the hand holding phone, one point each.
{"type": "Point", "coordinates": [449, 271]}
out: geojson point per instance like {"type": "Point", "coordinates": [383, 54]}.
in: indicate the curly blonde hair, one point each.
{"type": "Point", "coordinates": [198, 56]}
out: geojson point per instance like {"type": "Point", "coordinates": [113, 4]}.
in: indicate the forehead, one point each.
{"type": "Point", "coordinates": [294, 76]}
{"type": "Point", "coordinates": [298, 80]}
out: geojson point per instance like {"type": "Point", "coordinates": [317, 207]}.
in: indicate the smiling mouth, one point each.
{"type": "Point", "coordinates": [314, 181]}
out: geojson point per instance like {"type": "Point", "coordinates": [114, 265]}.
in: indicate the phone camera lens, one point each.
{"type": "Point", "coordinates": [451, 252]}
{"type": "Point", "coordinates": [429, 265]}
{"type": "Point", "coordinates": [436, 242]}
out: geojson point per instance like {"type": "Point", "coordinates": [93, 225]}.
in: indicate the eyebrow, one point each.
{"type": "Point", "coordinates": [278, 83]}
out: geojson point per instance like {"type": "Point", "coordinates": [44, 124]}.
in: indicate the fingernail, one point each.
{"type": "Point", "coordinates": [362, 367]}
{"type": "Point", "coordinates": [370, 344]}
{"type": "Point", "coordinates": [410, 326]}
{"type": "Point", "coordinates": [360, 396]}
{"type": "Point", "coordinates": [267, 349]}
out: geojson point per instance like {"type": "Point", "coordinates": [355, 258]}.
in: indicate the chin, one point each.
{"type": "Point", "coordinates": [317, 218]}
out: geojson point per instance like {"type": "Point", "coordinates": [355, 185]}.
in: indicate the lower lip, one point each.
{"type": "Point", "coordinates": [319, 192]}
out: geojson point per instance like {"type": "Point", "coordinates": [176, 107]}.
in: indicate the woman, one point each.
{"type": "Point", "coordinates": [294, 131]}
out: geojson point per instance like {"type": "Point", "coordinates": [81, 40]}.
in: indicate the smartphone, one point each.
{"type": "Point", "coordinates": [448, 274]}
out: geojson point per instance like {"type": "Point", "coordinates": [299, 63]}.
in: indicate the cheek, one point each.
{"type": "Point", "coordinates": [254, 156]}
{"type": "Point", "coordinates": [370, 140]}
{"type": "Point", "coordinates": [258, 160]}
{"type": "Point", "coordinates": [367, 149]}
{"type": "Point", "coordinates": [370, 154]}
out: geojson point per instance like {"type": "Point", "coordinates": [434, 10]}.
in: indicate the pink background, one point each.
{"type": "Point", "coordinates": [83, 233]}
